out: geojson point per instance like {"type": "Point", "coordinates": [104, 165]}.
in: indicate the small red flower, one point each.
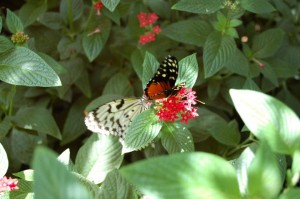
{"type": "Point", "coordinates": [147, 38]}
{"type": "Point", "coordinates": [156, 29]}
{"type": "Point", "coordinates": [98, 6]}
{"type": "Point", "coordinates": [152, 18]}
{"type": "Point", "coordinates": [146, 21]}
{"type": "Point", "coordinates": [171, 108]}
{"type": "Point", "coordinates": [142, 17]}
{"type": "Point", "coordinates": [8, 184]}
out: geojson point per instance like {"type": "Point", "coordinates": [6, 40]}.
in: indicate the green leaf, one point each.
{"type": "Point", "coordinates": [53, 180]}
{"type": "Point", "coordinates": [225, 133]}
{"type": "Point", "coordinates": [150, 66]}
{"type": "Point", "coordinates": [238, 64]}
{"type": "Point", "coordinates": [21, 66]}
{"type": "Point", "coordinates": [118, 85]}
{"type": "Point", "coordinates": [257, 6]}
{"type": "Point", "coordinates": [115, 186]}
{"type": "Point", "coordinates": [71, 10]}
{"type": "Point", "coordinates": [191, 31]}
{"type": "Point", "coordinates": [4, 161]}
{"type": "Point", "coordinates": [250, 85]}
{"type": "Point", "coordinates": [218, 49]}
{"type": "Point", "coordinates": [59, 69]}
{"type": "Point", "coordinates": [267, 43]}
{"type": "Point", "coordinates": [13, 22]}
{"type": "Point", "coordinates": [74, 125]}
{"type": "Point", "coordinates": [74, 68]}
{"type": "Point", "coordinates": [5, 44]}
{"type": "Point", "coordinates": [83, 83]}
{"type": "Point", "coordinates": [198, 6]}
{"type": "Point", "coordinates": [269, 73]}
{"type": "Point", "coordinates": [38, 119]}
{"type": "Point", "coordinates": [92, 45]}
{"type": "Point", "coordinates": [65, 158]}
{"type": "Point", "coordinates": [98, 156]}
{"type": "Point", "coordinates": [176, 138]}
{"type": "Point", "coordinates": [25, 175]}
{"type": "Point", "coordinates": [241, 164]}
{"type": "Point", "coordinates": [110, 4]}
{"type": "Point", "coordinates": [268, 119]}
{"type": "Point", "coordinates": [185, 175]}
{"type": "Point", "coordinates": [24, 191]}
{"type": "Point", "coordinates": [142, 131]}
{"type": "Point", "coordinates": [290, 193]}
{"type": "Point", "coordinates": [264, 179]}
{"type": "Point", "coordinates": [5, 126]}
{"type": "Point", "coordinates": [25, 144]}
{"type": "Point", "coordinates": [31, 11]}
{"type": "Point", "coordinates": [282, 68]}
{"type": "Point", "coordinates": [52, 20]}
{"type": "Point", "coordinates": [136, 59]}
{"type": "Point", "coordinates": [188, 71]}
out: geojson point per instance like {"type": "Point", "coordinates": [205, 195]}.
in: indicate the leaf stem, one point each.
{"type": "Point", "coordinates": [70, 16]}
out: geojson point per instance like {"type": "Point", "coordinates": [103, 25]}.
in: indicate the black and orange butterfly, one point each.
{"type": "Point", "coordinates": [114, 117]}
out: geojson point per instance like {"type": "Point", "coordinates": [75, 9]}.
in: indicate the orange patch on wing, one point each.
{"type": "Point", "coordinates": [156, 90]}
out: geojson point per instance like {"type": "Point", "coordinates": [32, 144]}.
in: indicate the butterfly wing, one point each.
{"type": "Point", "coordinates": [114, 117]}
{"type": "Point", "coordinates": [163, 83]}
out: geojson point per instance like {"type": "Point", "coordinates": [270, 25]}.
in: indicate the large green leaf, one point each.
{"type": "Point", "coordinates": [21, 66]}
{"type": "Point", "coordinates": [198, 6]}
{"type": "Point", "coordinates": [52, 20]}
{"type": "Point", "coordinates": [290, 193]}
{"type": "Point", "coordinates": [53, 180]}
{"type": "Point", "coordinates": [268, 119]}
{"type": "Point", "coordinates": [71, 10]}
{"type": "Point", "coordinates": [38, 119]}
{"type": "Point", "coordinates": [177, 138]}
{"type": "Point", "coordinates": [191, 31]}
{"type": "Point", "coordinates": [14, 24]}
{"type": "Point", "coordinates": [92, 45]}
{"type": "Point", "coordinates": [185, 175]}
{"type": "Point", "coordinates": [74, 124]}
{"type": "Point", "coordinates": [98, 156]}
{"type": "Point", "coordinates": [267, 43]}
{"type": "Point", "coordinates": [5, 44]}
{"type": "Point", "coordinates": [218, 49]}
{"type": "Point", "coordinates": [4, 161]}
{"type": "Point", "coordinates": [31, 10]}
{"type": "Point", "coordinates": [257, 6]}
{"type": "Point", "coordinates": [142, 131]}
{"type": "Point", "coordinates": [118, 84]}
{"type": "Point", "coordinates": [264, 178]}
{"type": "Point", "coordinates": [188, 71]}
{"type": "Point", "coordinates": [115, 186]}
{"type": "Point", "coordinates": [24, 144]}
{"type": "Point", "coordinates": [238, 64]}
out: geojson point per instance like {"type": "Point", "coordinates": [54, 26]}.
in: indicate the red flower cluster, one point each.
{"type": "Point", "coordinates": [98, 6]}
{"type": "Point", "coordinates": [178, 106]}
{"type": "Point", "coordinates": [8, 184]}
{"type": "Point", "coordinates": [147, 21]}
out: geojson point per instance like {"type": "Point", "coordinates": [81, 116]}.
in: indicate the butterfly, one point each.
{"type": "Point", "coordinates": [114, 117]}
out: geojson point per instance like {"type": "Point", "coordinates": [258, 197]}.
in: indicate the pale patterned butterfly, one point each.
{"type": "Point", "coordinates": [114, 117]}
